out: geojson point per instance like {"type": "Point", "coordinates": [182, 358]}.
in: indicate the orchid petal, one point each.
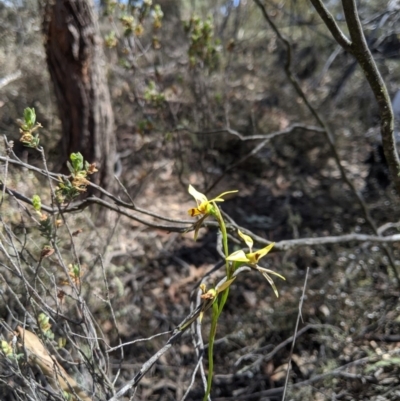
{"type": "Point", "coordinates": [197, 226]}
{"type": "Point", "coordinates": [194, 212]}
{"type": "Point", "coordinates": [200, 198]}
{"type": "Point", "coordinates": [256, 256]}
{"type": "Point", "coordinates": [248, 240]}
{"type": "Point", "coordinates": [262, 270]}
{"type": "Point", "coordinates": [238, 256]}
{"type": "Point", "coordinates": [219, 197]}
{"type": "Point", "coordinates": [271, 282]}
{"type": "Point", "coordinates": [204, 206]}
{"type": "Point", "coordinates": [265, 273]}
{"type": "Point", "coordinates": [225, 285]}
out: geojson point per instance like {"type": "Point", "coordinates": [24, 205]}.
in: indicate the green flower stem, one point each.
{"type": "Point", "coordinates": [218, 304]}
{"type": "Point", "coordinates": [225, 293]}
{"type": "Point", "coordinates": [213, 331]}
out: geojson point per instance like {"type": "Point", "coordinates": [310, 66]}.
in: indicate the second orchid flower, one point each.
{"type": "Point", "coordinates": [251, 259]}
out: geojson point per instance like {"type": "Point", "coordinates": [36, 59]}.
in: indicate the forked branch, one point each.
{"type": "Point", "coordinates": [357, 46]}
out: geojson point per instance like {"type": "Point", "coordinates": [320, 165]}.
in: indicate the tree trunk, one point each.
{"type": "Point", "coordinates": [76, 63]}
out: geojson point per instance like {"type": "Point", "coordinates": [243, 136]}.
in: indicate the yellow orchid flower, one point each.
{"type": "Point", "coordinates": [212, 294]}
{"type": "Point", "coordinates": [204, 206]}
{"type": "Point", "coordinates": [251, 259]}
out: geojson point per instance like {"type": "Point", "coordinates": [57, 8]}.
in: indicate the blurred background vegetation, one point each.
{"type": "Point", "coordinates": [199, 95]}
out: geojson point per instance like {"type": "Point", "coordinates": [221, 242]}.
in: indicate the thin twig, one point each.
{"type": "Point", "coordinates": [299, 316]}
{"type": "Point", "coordinates": [279, 347]}
{"type": "Point", "coordinates": [266, 139]}
{"type": "Point", "coordinates": [271, 135]}
{"type": "Point", "coordinates": [139, 340]}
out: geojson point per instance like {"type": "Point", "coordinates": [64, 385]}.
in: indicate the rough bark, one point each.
{"type": "Point", "coordinates": [76, 64]}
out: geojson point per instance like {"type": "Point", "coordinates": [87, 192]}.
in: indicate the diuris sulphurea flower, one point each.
{"type": "Point", "coordinates": [205, 207]}
{"type": "Point", "coordinates": [251, 259]}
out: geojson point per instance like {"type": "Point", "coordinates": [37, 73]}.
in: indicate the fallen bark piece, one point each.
{"type": "Point", "coordinates": [57, 375]}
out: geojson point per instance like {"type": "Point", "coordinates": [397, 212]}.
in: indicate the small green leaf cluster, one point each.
{"type": "Point", "coordinates": [133, 17]}
{"type": "Point", "coordinates": [153, 96]}
{"type": "Point", "coordinates": [9, 351]}
{"type": "Point", "coordinates": [28, 127]}
{"type": "Point", "coordinates": [67, 396]}
{"type": "Point", "coordinates": [110, 7]}
{"type": "Point", "coordinates": [157, 16]}
{"type": "Point", "coordinates": [203, 48]}
{"type": "Point", "coordinates": [72, 186]}
{"type": "Point", "coordinates": [45, 326]}
{"type": "Point", "coordinates": [111, 40]}
{"type": "Point", "coordinates": [76, 164]}
{"type": "Point", "coordinates": [46, 225]}
{"type": "Point", "coordinates": [37, 203]}
{"type": "Point", "coordinates": [69, 187]}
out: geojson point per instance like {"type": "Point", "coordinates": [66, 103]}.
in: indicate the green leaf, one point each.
{"type": "Point", "coordinates": [36, 202]}
{"type": "Point", "coordinates": [70, 168]}
{"type": "Point", "coordinates": [225, 285]}
{"type": "Point", "coordinates": [77, 161]}
{"type": "Point", "coordinates": [30, 117]}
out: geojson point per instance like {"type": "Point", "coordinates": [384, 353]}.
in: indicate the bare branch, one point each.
{"type": "Point", "coordinates": [294, 243]}
{"type": "Point", "coordinates": [359, 49]}
{"type": "Point", "coordinates": [331, 24]}
{"type": "Point", "coordinates": [271, 135]}
{"type": "Point", "coordinates": [361, 52]}
{"type": "Point", "coordinates": [265, 140]}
